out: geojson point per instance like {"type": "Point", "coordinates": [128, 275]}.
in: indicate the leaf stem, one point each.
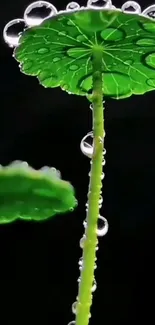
{"type": "Point", "coordinates": [91, 241]}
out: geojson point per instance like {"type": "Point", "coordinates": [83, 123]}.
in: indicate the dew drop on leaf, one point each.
{"type": "Point", "coordinates": [12, 32]}
{"type": "Point", "coordinates": [43, 50]}
{"type": "Point", "coordinates": [62, 33]}
{"type": "Point", "coordinates": [149, 12]}
{"type": "Point", "coordinates": [131, 6]}
{"type": "Point", "coordinates": [151, 82]}
{"type": "Point", "coordinates": [73, 67]}
{"type": "Point", "coordinates": [146, 42]}
{"type": "Point", "coordinates": [112, 34]}
{"type": "Point", "coordinates": [73, 6]}
{"type": "Point", "coordinates": [56, 59]}
{"type": "Point", "coordinates": [99, 3]}
{"type": "Point", "coordinates": [38, 11]}
{"type": "Point", "coordinates": [150, 60]}
{"type": "Point", "coordinates": [81, 38]}
{"type": "Point", "coordinates": [71, 323]}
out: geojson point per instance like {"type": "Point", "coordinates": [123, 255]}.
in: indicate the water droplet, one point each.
{"type": "Point", "coordinates": [86, 148]}
{"type": "Point", "coordinates": [149, 12]}
{"type": "Point", "coordinates": [80, 261]}
{"type": "Point", "coordinates": [73, 67]}
{"type": "Point", "coordinates": [56, 59]}
{"type": "Point", "coordinates": [64, 87]}
{"type": "Point", "coordinates": [13, 31]}
{"type": "Point", "coordinates": [151, 82]}
{"type": "Point", "coordinates": [103, 228]}
{"type": "Point", "coordinates": [85, 224]}
{"type": "Point", "coordinates": [38, 11]}
{"type": "Point", "coordinates": [82, 241]}
{"type": "Point", "coordinates": [99, 3]}
{"type": "Point", "coordinates": [131, 7]}
{"type": "Point", "coordinates": [103, 162]}
{"type": "Point", "coordinates": [43, 50]}
{"type": "Point", "coordinates": [62, 33]}
{"type": "Point", "coordinates": [74, 305]}
{"type": "Point", "coordinates": [71, 323]}
{"type": "Point", "coordinates": [100, 201]}
{"type": "Point", "coordinates": [81, 38]}
{"type": "Point", "coordinates": [19, 164]}
{"type": "Point", "coordinates": [129, 62]}
{"type": "Point", "coordinates": [73, 6]}
{"type": "Point", "coordinates": [112, 34]}
{"type": "Point", "coordinates": [27, 65]}
{"type": "Point", "coordinates": [102, 176]}
{"type": "Point", "coordinates": [150, 60]}
{"type": "Point", "coordinates": [94, 286]}
{"type": "Point", "coordinates": [146, 42]}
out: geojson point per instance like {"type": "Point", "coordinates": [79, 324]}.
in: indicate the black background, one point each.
{"type": "Point", "coordinates": [39, 262]}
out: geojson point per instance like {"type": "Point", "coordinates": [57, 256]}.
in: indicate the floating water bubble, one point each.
{"type": "Point", "coordinates": [103, 228]}
{"type": "Point", "coordinates": [73, 6]}
{"type": "Point", "coordinates": [38, 11]}
{"type": "Point", "coordinates": [12, 32]}
{"type": "Point", "coordinates": [94, 286]}
{"type": "Point", "coordinates": [131, 7]}
{"type": "Point", "coordinates": [86, 148]}
{"type": "Point", "coordinates": [149, 12]}
{"type": "Point", "coordinates": [99, 3]}
{"type": "Point", "coordinates": [74, 305]}
{"type": "Point", "coordinates": [82, 241]}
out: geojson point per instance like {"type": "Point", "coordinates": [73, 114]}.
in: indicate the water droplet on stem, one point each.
{"type": "Point", "coordinates": [87, 145]}
{"type": "Point", "coordinates": [103, 227]}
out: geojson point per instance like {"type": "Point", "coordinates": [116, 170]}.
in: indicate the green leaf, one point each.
{"type": "Point", "coordinates": [59, 52]}
{"type": "Point", "coordinates": [31, 194]}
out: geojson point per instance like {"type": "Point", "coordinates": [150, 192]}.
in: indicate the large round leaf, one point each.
{"type": "Point", "coordinates": [59, 52]}
{"type": "Point", "coordinates": [31, 194]}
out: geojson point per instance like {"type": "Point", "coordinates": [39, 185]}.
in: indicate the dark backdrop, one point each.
{"type": "Point", "coordinates": [39, 262]}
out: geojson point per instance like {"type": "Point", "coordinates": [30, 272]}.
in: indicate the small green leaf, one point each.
{"type": "Point", "coordinates": [31, 194]}
{"type": "Point", "coordinates": [59, 52]}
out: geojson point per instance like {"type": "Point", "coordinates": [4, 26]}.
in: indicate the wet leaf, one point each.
{"type": "Point", "coordinates": [59, 52]}
{"type": "Point", "coordinates": [31, 194]}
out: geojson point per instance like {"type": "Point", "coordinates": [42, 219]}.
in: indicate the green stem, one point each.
{"type": "Point", "coordinates": [91, 241]}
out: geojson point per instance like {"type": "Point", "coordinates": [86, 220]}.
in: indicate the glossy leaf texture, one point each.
{"type": "Point", "coordinates": [31, 194]}
{"type": "Point", "coordinates": [59, 52]}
